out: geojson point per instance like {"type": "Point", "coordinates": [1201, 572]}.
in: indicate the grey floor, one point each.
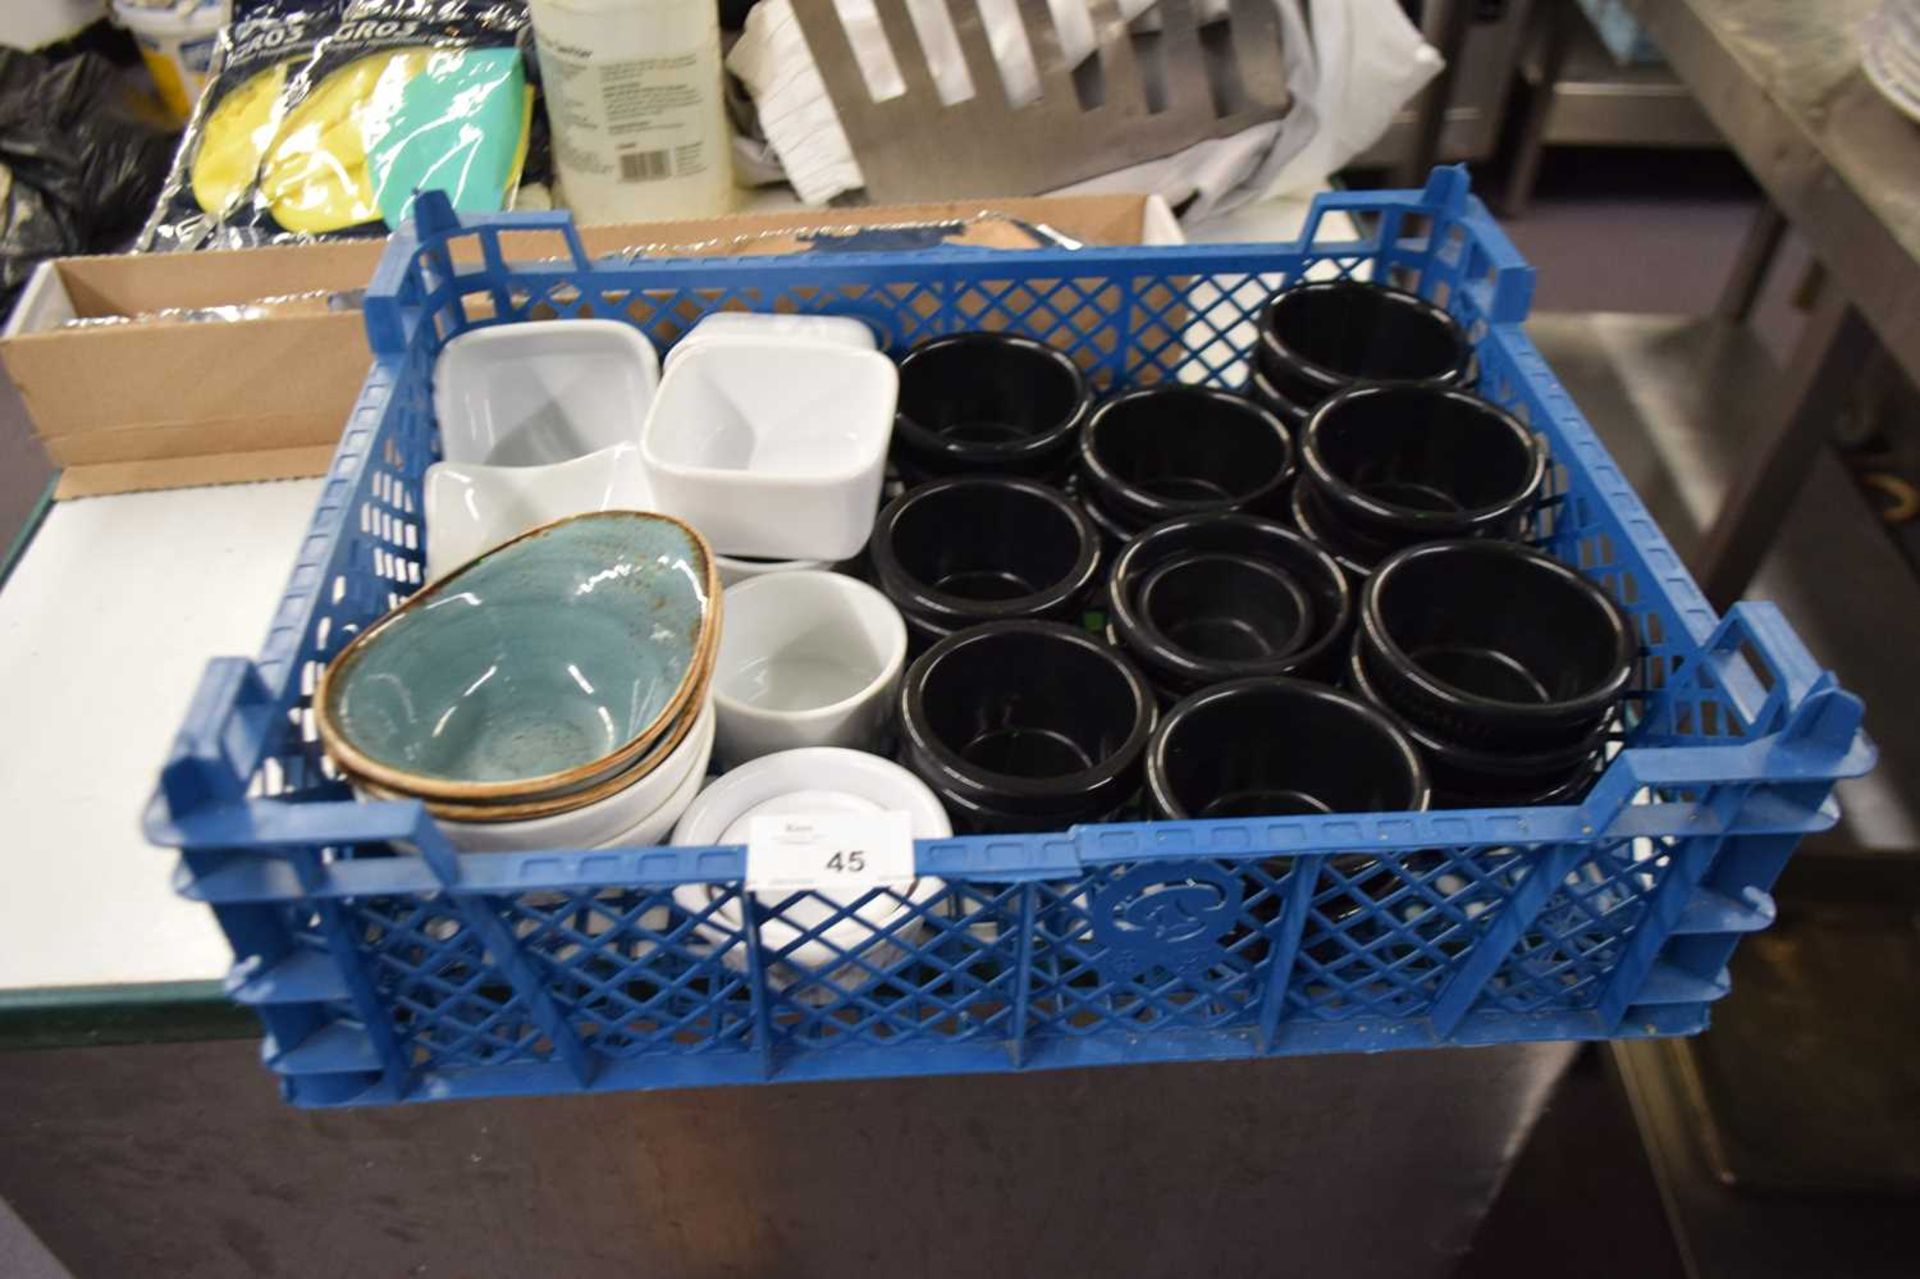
{"type": "Point", "coordinates": [1647, 232]}
{"type": "Point", "coordinates": [22, 1255]}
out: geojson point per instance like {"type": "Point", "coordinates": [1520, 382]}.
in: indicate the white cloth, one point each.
{"type": "Point", "coordinates": [28, 24]}
{"type": "Point", "coordinates": [1361, 64]}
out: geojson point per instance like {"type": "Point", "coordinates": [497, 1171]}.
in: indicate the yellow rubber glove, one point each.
{"type": "Point", "coordinates": [236, 133]}
{"type": "Point", "coordinates": [315, 178]}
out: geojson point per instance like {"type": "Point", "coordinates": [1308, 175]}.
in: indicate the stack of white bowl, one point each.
{"type": "Point", "coordinates": [553, 693]}
{"type": "Point", "coordinates": [768, 433]}
{"type": "Point", "coordinates": [1890, 54]}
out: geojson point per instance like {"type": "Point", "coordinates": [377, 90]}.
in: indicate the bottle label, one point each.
{"type": "Point", "coordinates": [626, 119]}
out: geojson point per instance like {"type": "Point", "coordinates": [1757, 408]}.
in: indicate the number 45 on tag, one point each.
{"type": "Point", "coordinates": [830, 852]}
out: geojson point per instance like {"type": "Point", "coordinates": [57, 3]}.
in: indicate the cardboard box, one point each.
{"type": "Point", "coordinates": [169, 402]}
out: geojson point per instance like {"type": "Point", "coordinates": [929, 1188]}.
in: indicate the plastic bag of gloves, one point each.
{"type": "Point", "coordinates": [323, 117]}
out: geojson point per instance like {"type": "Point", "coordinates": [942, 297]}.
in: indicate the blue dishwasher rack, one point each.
{"type": "Point", "coordinates": [388, 968]}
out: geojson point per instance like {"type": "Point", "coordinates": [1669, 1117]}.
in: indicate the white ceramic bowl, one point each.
{"type": "Point", "coordinates": [806, 659]}
{"type": "Point", "coordinates": [471, 507]}
{"type": "Point", "coordinates": [657, 825]}
{"type": "Point", "coordinates": [544, 391]}
{"type": "Point", "coordinates": [762, 326]}
{"type": "Point", "coordinates": [653, 803]}
{"type": "Point", "coordinates": [772, 449]}
{"type": "Point", "coordinates": [805, 783]}
{"type": "Point", "coordinates": [734, 568]}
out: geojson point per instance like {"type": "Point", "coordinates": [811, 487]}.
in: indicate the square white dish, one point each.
{"type": "Point", "coordinates": [773, 449]}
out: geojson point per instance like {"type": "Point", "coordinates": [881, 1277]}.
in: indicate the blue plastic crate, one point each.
{"type": "Point", "coordinates": [388, 968]}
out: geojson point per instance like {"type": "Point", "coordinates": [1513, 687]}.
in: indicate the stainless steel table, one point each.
{"type": "Point", "coordinates": [1785, 1142]}
{"type": "Point", "coordinates": [1578, 95]}
{"type": "Point", "coordinates": [177, 1159]}
{"type": "Point", "coordinates": [1781, 80]}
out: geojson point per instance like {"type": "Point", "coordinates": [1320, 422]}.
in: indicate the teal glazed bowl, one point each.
{"type": "Point", "coordinates": [546, 665]}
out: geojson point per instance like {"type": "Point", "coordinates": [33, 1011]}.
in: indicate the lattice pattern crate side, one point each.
{"type": "Point", "coordinates": [635, 972]}
{"type": "Point", "coordinates": [1102, 960]}
{"type": "Point", "coordinates": [914, 967]}
{"type": "Point", "coordinates": [450, 1005]}
{"type": "Point", "coordinates": [1385, 933]}
{"type": "Point", "coordinates": [378, 561]}
{"type": "Point", "coordinates": [1571, 948]}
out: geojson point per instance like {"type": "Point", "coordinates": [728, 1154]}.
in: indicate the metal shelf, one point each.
{"type": "Point", "coordinates": [1672, 397]}
{"type": "Point", "coordinates": [1476, 111]}
{"type": "Point", "coordinates": [1599, 103]}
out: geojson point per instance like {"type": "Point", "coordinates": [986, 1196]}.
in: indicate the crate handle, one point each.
{"type": "Point", "coordinates": [1490, 251]}
{"type": "Point", "coordinates": [432, 222]}
{"type": "Point", "coordinates": [1762, 628]}
{"type": "Point", "coordinates": [219, 743]}
{"type": "Point", "coordinates": [381, 312]}
{"type": "Point", "coordinates": [225, 735]}
{"type": "Point", "coordinates": [1449, 201]}
{"type": "Point", "coordinates": [1753, 643]}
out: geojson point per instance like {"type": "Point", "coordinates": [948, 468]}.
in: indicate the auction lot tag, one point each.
{"type": "Point", "coordinates": [833, 852]}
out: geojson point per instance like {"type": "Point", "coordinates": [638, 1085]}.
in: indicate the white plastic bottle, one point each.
{"type": "Point", "coordinates": [634, 93]}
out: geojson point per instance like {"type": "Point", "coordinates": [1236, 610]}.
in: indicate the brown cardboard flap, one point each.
{"type": "Point", "coordinates": [84, 380]}
{"type": "Point", "coordinates": [317, 428]}
{"type": "Point", "coordinates": [136, 285]}
{"type": "Point", "coordinates": [174, 402]}
{"type": "Point", "coordinates": [186, 472]}
{"type": "Point", "coordinates": [1096, 219]}
{"type": "Point", "coordinates": [159, 281]}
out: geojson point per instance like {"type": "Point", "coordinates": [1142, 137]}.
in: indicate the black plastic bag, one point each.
{"type": "Point", "coordinates": [81, 170]}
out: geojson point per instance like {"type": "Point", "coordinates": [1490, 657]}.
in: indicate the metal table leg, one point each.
{"type": "Point", "coordinates": [1826, 361]}
{"type": "Point", "coordinates": [1456, 16]}
{"type": "Point", "coordinates": [1557, 18]}
{"type": "Point", "coordinates": [1750, 267]}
